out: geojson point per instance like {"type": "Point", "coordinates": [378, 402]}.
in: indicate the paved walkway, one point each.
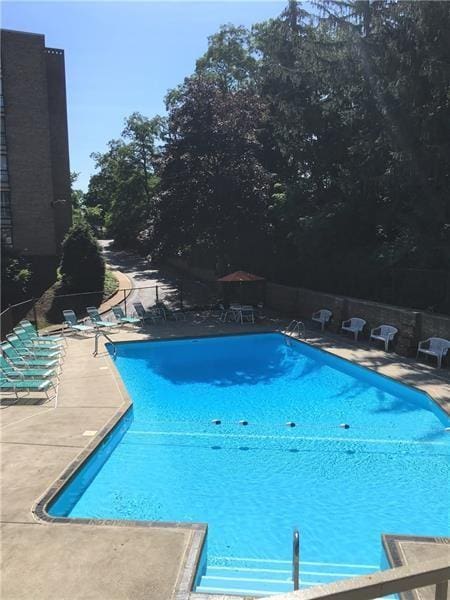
{"type": "Point", "coordinates": [44, 561]}
{"type": "Point", "coordinates": [143, 278]}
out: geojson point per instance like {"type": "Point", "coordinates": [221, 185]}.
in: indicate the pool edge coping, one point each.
{"type": "Point", "coordinates": [391, 549]}
{"type": "Point", "coordinates": [192, 553]}
{"type": "Point", "coordinates": [195, 546]}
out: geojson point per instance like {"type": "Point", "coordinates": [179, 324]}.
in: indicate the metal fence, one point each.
{"type": "Point", "coordinates": [182, 294]}
{"type": "Point", "coordinates": [15, 313]}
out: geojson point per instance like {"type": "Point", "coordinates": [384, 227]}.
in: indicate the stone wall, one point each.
{"type": "Point", "coordinates": [300, 303]}
{"type": "Point", "coordinates": [434, 325]}
{"type": "Point", "coordinates": [412, 325]}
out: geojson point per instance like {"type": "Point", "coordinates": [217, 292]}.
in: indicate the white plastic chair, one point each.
{"type": "Point", "coordinates": [434, 346]}
{"type": "Point", "coordinates": [353, 325]}
{"type": "Point", "coordinates": [247, 313]}
{"type": "Point", "coordinates": [322, 316]}
{"type": "Point", "coordinates": [384, 333]}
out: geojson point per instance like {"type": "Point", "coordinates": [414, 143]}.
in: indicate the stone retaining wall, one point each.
{"type": "Point", "coordinates": [412, 325]}
{"type": "Point", "coordinates": [301, 303]}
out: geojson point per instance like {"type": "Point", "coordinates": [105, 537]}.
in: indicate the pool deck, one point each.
{"type": "Point", "coordinates": [46, 561]}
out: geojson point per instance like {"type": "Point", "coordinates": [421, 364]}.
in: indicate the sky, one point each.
{"type": "Point", "coordinates": [122, 57]}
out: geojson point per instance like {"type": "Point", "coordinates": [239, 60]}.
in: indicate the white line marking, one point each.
{"type": "Point", "coordinates": [249, 569]}
{"type": "Point", "coordinates": [219, 578]}
{"type": "Point", "coordinates": [288, 562]}
{"type": "Point", "coordinates": [292, 439]}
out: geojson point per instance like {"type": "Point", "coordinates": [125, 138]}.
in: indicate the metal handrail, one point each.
{"type": "Point", "coordinates": [296, 559]}
{"type": "Point", "coordinates": [97, 335]}
{"type": "Point", "coordinates": [382, 583]}
{"type": "Point", "coordinates": [296, 326]}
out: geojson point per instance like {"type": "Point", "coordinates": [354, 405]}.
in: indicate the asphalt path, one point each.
{"type": "Point", "coordinates": [143, 276]}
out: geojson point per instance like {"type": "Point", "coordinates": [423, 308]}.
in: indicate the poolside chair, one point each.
{"type": "Point", "coordinates": [160, 309]}
{"type": "Point", "coordinates": [28, 351]}
{"type": "Point", "coordinates": [384, 333]}
{"type": "Point", "coordinates": [178, 315]}
{"type": "Point", "coordinates": [97, 320]}
{"type": "Point", "coordinates": [37, 342]}
{"type": "Point", "coordinates": [146, 315]}
{"type": "Point", "coordinates": [322, 316]}
{"type": "Point", "coordinates": [29, 328]}
{"type": "Point", "coordinates": [353, 325]}
{"type": "Point", "coordinates": [219, 312]}
{"type": "Point", "coordinates": [28, 385]}
{"type": "Point", "coordinates": [17, 360]}
{"type": "Point", "coordinates": [247, 313]}
{"type": "Point", "coordinates": [72, 324]}
{"type": "Point", "coordinates": [14, 372]}
{"type": "Point", "coordinates": [121, 317]}
{"type": "Point", "coordinates": [434, 346]}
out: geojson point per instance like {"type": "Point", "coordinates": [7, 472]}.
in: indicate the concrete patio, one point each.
{"type": "Point", "coordinates": [47, 561]}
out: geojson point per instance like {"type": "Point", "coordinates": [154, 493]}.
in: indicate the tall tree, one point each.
{"type": "Point", "coordinates": [213, 190]}
{"type": "Point", "coordinates": [124, 186]}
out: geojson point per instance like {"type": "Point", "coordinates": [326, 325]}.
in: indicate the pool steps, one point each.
{"type": "Point", "coordinates": [265, 577]}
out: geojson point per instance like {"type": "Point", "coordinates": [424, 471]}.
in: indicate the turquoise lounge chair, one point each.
{"type": "Point", "coordinates": [152, 314]}
{"type": "Point", "coordinates": [29, 328]}
{"type": "Point", "coordinates": [37, 342]}
{"type": "Point", "coordinates": [13, 372]}
{"type": "Point", "coordinates": [28, 385]}
{"type": "Point", "coordinates": [28, 351]}
{"type": "Point", "coordinates": [72, 324]}
{"type": "Point", "coordinates": [96, 319]}
{"type": "Point", "coordinates": [17, 360]}
{"type": "Point", "coordinates": [121, 317]}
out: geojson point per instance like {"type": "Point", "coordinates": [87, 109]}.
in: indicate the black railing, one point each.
{"type": "Point", "coordinates": [175, 295]}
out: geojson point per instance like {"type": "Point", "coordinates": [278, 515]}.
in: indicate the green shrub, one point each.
{"type": "Point", "coordinates": [16, 277]}
{"type": "Point", "coordinates": [82, 267]}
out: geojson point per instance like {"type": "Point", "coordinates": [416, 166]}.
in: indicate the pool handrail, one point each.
{"type": "Point", "coordinates": [381, 583]}
{"type": "Point", "coordinates": [296, 559]}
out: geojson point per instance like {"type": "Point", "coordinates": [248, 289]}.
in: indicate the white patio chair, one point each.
{"type": "Point", "coordinates": [434, 346]}
{"type": "Point", "coordinates": [353, 325]}
{"type": "Point", "coordinates": [247, 313]}
{"type": "Point", "coordinates": [322, 316]}
{"type": "Point", "coordinates": [384, 333]}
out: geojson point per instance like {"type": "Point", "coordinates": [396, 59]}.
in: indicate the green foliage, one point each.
{"type": "Point", "coordinates": [229, 60]}
{"type": "Point", "coordinates": [83, 211]}
{"type": "Point", "coordinates": [111, 284]}
{"type": "Point", "coordinates": [16, 277]}
{"type": "Point", "coordinates": [312, 149]}
{"type": "Point", "coordinates": [82, 266]}
{"type": "Point", "coordinates": [122, 192]}
{"type": "Point", "coordinates": [213, 189]}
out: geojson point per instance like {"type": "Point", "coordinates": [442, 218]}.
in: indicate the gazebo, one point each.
{"type": "Point", "coordinates": [242, 287]}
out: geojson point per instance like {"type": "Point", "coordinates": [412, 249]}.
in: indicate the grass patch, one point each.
{"type": "Point", "coordinates": [54, 300]}
{"type": "Point", "coordinates": [111, 284]}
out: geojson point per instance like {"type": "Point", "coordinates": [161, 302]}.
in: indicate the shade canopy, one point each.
{"type": "Point", "coordinates": [242, 287]}
{"type": "Point", "coordinates": [240, 276]}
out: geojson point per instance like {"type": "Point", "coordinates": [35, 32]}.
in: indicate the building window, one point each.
{"type": "Point", "coordinates": [2, 132]}
{"type": "Point", "coordinates": [7, 236]}
{"type": "Point", "coordinates": [4, 169]}
{"type": "Point", "coordinates": [6, 218]}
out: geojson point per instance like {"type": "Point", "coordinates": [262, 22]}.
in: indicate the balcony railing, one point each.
{"type": "Point", "coordinates": [382, 583]}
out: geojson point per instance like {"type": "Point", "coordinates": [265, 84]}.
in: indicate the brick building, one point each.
{"type": "Point", "coordinates": [35, 177]}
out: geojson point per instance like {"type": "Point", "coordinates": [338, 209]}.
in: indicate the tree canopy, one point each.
{"type": "Point", "coordinates": [313, 149]}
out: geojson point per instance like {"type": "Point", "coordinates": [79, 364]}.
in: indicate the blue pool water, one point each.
{"type": "Point", "coordinates": [387, 473]}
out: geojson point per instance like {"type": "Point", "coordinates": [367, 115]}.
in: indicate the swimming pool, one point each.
{"type": "Point", "coordinates": [342, 487]}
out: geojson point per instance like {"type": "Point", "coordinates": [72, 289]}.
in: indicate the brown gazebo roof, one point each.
{"type": "Point", "coordinates": [241, 276]}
